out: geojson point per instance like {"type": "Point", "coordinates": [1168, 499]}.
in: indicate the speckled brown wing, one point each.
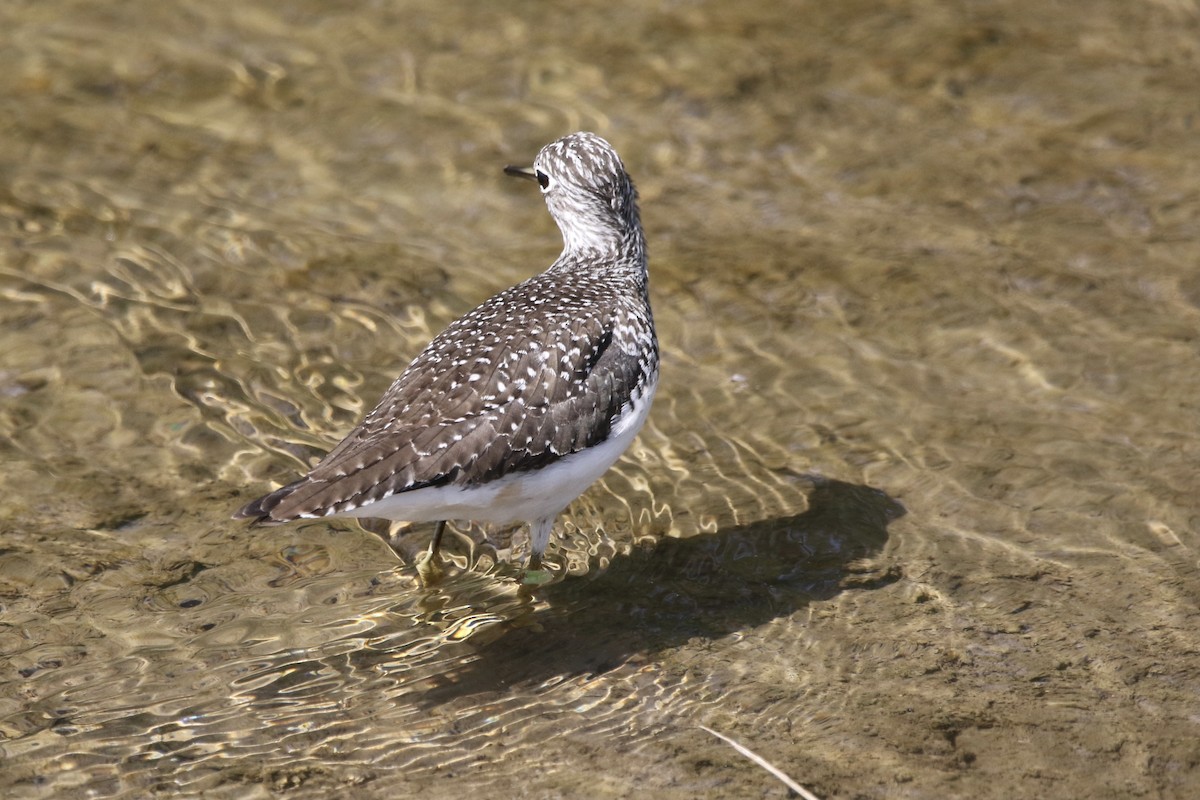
{"type": "Point", "coordinates": [473, 407]}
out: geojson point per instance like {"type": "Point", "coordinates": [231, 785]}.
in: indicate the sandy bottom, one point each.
{"type": "Point", "coordinates": [914, 514]}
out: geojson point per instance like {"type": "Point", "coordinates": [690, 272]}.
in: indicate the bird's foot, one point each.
{"type": "Point", "coordinates": [429, 568]}
{"type": "Point", "coordinates": [536, 577]}
{"type": "Point", "coordinates": [537, 573]}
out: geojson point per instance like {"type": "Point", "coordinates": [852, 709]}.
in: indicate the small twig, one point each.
{"type": "Point", "coordinates": [767, 765]}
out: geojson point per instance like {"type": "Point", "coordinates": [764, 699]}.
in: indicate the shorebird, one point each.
{"type": "Point", "coordinates": [517, 407]}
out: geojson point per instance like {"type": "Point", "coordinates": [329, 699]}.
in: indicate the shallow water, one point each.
{"type": "Point", "coordinates": [914, 514]}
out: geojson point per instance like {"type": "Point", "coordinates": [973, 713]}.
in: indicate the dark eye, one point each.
{"type": "Point", "coordinates": [543, 180]}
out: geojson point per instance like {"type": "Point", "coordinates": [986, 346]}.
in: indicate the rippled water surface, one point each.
{"type": "Point", "coordinates": [915, 513]}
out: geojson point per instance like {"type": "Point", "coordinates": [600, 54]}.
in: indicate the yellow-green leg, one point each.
{"type": "Point", "coordinates": [429, 566]}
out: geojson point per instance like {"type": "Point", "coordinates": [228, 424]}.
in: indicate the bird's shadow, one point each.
{"type": "Point", "coordinates": [661, 596]}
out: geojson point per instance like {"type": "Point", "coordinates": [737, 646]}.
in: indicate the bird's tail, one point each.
{"type": "Point", "coordinates": [259, 511]}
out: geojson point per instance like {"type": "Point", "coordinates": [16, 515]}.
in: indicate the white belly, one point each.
{"type": "Point", "coordinates": [523, 497]}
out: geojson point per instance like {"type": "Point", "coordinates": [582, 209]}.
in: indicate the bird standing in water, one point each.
{"type": "Point", "coordinates": [517, 407]}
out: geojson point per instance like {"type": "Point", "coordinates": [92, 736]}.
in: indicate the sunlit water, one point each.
{"type": "Point", "coordinates": [915, 513]}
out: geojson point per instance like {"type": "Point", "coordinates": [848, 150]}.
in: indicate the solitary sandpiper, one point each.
{"type": "Point", "coordinates": [515, 409]}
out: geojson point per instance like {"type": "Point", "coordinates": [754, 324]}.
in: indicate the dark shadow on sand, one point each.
{"type": "Point", "coordinates": [662, 596]}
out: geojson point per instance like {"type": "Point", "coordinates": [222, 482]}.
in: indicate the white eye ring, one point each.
{"type": "Point", "coordinates": [543, 180]}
